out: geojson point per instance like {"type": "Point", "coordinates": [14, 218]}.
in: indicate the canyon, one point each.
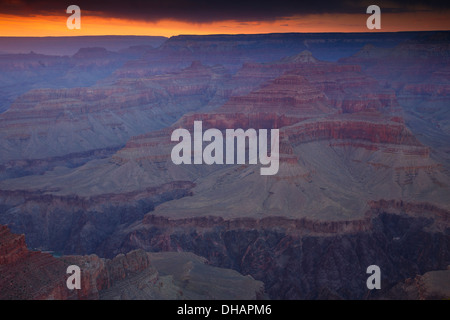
{"type": "Point", "coordinates": [363, 174]}
{"type": "Point", "coordinates": [36, 275]}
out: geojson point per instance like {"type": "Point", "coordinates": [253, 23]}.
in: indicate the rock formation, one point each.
{"type": "Point", "coordinates": [433, 285]}
{"type": "Point", "coordinates": [358, 184]}
{"type": "Point", "coordinates": [26, 274]}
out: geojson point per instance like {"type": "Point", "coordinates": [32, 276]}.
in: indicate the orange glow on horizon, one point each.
{"type": "Point", "coordinates": [40, 26]}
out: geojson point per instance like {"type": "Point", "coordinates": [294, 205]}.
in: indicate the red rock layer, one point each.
{"type": "Point", "coordinates": [87, 202]}
{"type": "Point", "coordinates": [355, 130]}
{"type": "Point", "coordinates": [305, 224]}
{"type": "Point", "coordinates": [287, 224]}
{"type": "Point", "coordinates": [310, 90]}
{"type": "Point", "coordinates": [35, 275]}
{"type": "Point", "coordinates": [77, 120]}
{"type": "Point", "coordinates": [28, 274]}
{"type": "Point", "coordinates": [12, 246]}
{"type": "Point", "coordinates": [421, 208]}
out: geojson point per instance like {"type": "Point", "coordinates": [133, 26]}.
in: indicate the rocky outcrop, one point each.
{"type": "Point", "coordinates": [232, 50]}
{"type": "Point", "coordinates": [382, 133]}
{"type": "Point", "coordinates": [312, 88]}
{"type": "Point", "coordinates": [417, 70]}
{"type": "Point", "coordinates": [294, 225]}
{"type": "Point", "coordinates": [441, 216]}
{"type": "Point", "coordinates": [102, 274]}
{"type": "Point", "coordinates": [35, 275]}
{"type": "Point", "coordinates": [433, 285]}
{"type": "Point", "coordinates": [26, 274]}
{"type": "Point", "coordinates": [81, 120]}
{"type": "Point", "coordinates": [297, 259]}
{"type": "Point", "coordinates": [20, 73]}
{"type": "Point", "coordinates": [311, 99]}
{"type": "Point", "coordinates": [80, 224]}
{"type": "Point", "coordinates": [12, 246]}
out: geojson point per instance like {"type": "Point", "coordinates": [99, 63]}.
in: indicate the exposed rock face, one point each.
{"type": "Point", "coordinates": [326, 113]}
{"type": "Point", "coordinates": [35, 275]}
{"type": "Point", "coordinates": [100, 274]}
{"type": "Point", "coordinates": [232, 50]}
{"type": "Point", "coordinates": [79, 121]}
{"type": "Point", "coordinates": [183, 275]}
{"type": "Point", "coordinates": [12, 247]}
{"type": "Point", "coordinates": [70, 120]}
{"type": "Point", "coordinates": [22, 72]}
{"type": "Point", "coordinates": [418, 71]}
{"type": "Point", "coordinates": [356, 130]}
{"type": "Point", "coordinates": [367, 148]}
{"type": "Point", "coordinates": [301, 259]}
{"type": "Point", "coordinates": [80, 224]}
{"type": "Point", "coordinates": [356, 184]}
{"type": "Point", "coordinates": [26, 274]}
{"type": "Point", "coordinates": [433, 285]}
{"type": "Point", "coordinates": [341, 135]}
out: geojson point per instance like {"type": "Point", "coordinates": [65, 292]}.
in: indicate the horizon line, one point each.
{"type": "Point", "coordinates": [226, 34]}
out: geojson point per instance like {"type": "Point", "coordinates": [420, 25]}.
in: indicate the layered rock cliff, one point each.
{"type": "Point", "coordinates": [418, 71]}
{"type": "Point", "coordinates": [304, 259]}
{"type": "Point", "coordinates": [357, 184]}
{"type": "Point", "coordinates": [35, 275]}
{"type": "Point", "coordinates": [433, 285]}
{"type": "Point", "coordinates": [79, 122]}
{"type": "Point", "coordinates": [324, 145]}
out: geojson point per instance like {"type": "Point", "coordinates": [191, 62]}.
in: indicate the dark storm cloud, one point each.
{"type": "Point", "coordinates": [209, 10]}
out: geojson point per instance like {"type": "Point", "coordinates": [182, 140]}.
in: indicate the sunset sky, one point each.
{"type": "Point", "coordinates": [173, 17]}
